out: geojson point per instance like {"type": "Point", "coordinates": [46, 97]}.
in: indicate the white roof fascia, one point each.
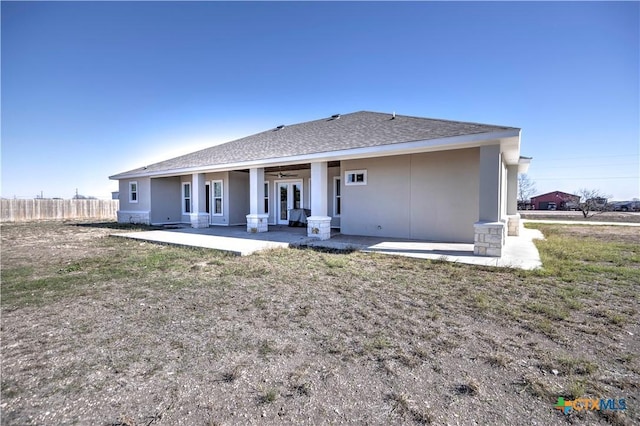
{"type": "Point", "coordinates": [510, 149]}
{"type": "Point", "coordinates": [523, 164]}
{"type": "Point", "coordinates": [440, 144]}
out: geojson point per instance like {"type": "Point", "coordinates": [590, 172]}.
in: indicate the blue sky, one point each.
{"type": "Point", "coordinates": [92, 89]}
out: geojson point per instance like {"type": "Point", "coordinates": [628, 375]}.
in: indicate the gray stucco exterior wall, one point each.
{"type": "Point", "coordinates": [431, 196]}
{"type": "Point", "coordinates": [166, 200]}
{"type": "Point", "coordinates": [238, 197]}
{"type": "Point", "coordinates": [144, 191]}
{"type": "Point", "coordinates": [134, 211]}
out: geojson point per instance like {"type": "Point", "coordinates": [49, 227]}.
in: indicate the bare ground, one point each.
{"type": "Point", "coordinates": [99, 330]}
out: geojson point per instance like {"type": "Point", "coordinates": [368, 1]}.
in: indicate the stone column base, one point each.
{"type": "Point", "coordinates": [257, 223]}
{"type": "Point", "coordinates": [513, 225]}
{"type": "Point", "coordinates": [199, 220]}
{"type": "Point", "coordinates": [319, 227]}
{"type": "Point", "coordinates": [488, 238]}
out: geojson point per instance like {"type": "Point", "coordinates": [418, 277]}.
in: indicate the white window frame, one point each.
{"type": "Point", "coordinates": [350, 177]}
{"type": "Point", "coordinates": [266, 197]}
{"type": "Point", "coordinates": [214, 198]}
{"type": "Point", "coordinates": [337, 195]}
{"type": "Point", "coordinates": [133, 191]}
{"type": "Point", "coordinates": [185, 198]}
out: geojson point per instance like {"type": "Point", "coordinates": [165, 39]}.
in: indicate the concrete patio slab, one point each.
{"type": "Point", "coordinates": [519, 252]}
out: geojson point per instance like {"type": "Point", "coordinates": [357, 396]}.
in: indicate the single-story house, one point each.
{"type": "Point", "coordinates": [556, 200]}
{"type": "Point", "coordinates": [366, 173]}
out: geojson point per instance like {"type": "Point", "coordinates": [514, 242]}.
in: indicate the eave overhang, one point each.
{"type": "Point", "coordinates": [508, 139]}
{"type": "Point", "coordinates": [523, 164]}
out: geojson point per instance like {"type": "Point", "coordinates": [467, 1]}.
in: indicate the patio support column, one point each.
{"type": "Point", "coordinates": [489, 230]}
{"type": "Point", "coordinates": [257, 220]}
{"type": "Point", "coordinates": [319, 224]}
{"type": "Point", "coordinates": [513, 218]}
{"type": "Point", "coordinates": [199, 216]}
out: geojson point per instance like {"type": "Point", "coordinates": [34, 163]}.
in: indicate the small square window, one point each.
{"type": "Point", "coordinates": [355, 177]}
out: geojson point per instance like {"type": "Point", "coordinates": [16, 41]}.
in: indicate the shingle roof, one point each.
{"type": "Point", "coordinates": [356, 130]}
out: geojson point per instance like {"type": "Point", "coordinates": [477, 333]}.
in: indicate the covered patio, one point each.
{"type": "Point", "coordinates": [520, 251]}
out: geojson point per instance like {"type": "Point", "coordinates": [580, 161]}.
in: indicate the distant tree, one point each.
{"type": "Point", "coordinates": [526, 188]}
{"type": "Point", "coordinates": [592, 201]}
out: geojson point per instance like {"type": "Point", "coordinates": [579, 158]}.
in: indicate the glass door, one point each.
{"type": "Point", "coordinates": [283, 203]}
{"type": "Point", "coordinates": [289, 196]}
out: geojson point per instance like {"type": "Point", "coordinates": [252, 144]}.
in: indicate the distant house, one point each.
{"type": "Point", "coordinates": [556, 200]}
{"type": "Point", "coordinates": [365, 173]}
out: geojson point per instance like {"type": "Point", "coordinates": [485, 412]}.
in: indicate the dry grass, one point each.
{"type": "Point", "coordinates": [99, 330]}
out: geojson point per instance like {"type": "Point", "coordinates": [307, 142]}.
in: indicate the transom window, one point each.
{"type": "Point", "coordinates": [355, 177]}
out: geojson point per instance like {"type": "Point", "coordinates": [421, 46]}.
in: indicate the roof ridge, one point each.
{"type": "Point", "coordinates": [358, 129]}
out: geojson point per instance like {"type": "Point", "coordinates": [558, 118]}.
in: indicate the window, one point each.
{"type": "Point", "coordinates": [337, 201]}
{"type": "Point", "coordinates": [355, 177]}
{"type": "Point", "coordinates": [266, 197]}
{"type": "Point", "coordinates": [207, 197]}
{"type": "Point", "coordinates": [186, 197]}
{"type": "Point", "coordinates": [217, 197]}
{"type": "Point", "coordinates": [133, 192]}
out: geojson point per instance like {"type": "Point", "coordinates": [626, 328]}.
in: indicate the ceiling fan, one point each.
{"type": "Point", "coordinates": [281, 175]}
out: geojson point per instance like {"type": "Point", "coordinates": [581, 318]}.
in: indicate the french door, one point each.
{"type": "Point", "coordinates": [289, 196]}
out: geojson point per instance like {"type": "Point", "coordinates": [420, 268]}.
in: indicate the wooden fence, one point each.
{"type": "Point", "coordinates": [34, 210]}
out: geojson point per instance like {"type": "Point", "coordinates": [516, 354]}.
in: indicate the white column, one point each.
{"type": "Point", "coordinates": [199, 216]}
{"type": "Point", "coordinates": [512, 189]}
{"type": "Point", "coordinates": [513, 218]}
{"type": "Point", "coordinates": [319, 224]}
{"type": "Point", "coordinates": [489, 180]}
{"type": "Point", "coordinates": [489, 230]}
{"type": "Point", "coordinates": [319, 189]}
{"type": "Point", "coordinates": [257, 220]}
{"type": "Point", "coordinates": [256, 190]}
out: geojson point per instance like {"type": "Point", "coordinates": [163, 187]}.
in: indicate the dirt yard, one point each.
{"type": "Point", "coordinates": [109, 331]}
